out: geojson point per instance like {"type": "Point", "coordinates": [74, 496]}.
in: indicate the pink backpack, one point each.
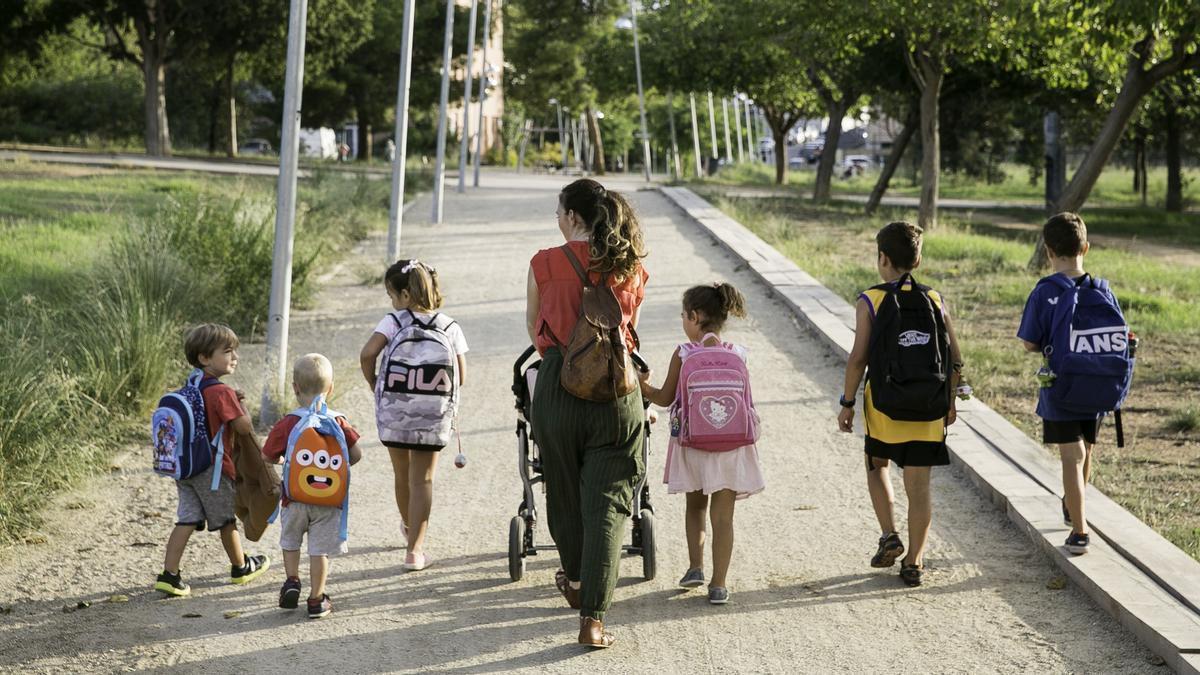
{"type": "Point", "coordinates": [713, 407]}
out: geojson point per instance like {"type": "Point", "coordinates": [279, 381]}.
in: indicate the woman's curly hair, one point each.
{"type": "Point", "coordinates": [615, 236]}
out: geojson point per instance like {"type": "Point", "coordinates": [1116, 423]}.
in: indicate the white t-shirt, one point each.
{"type": "Point", "coordinates": [388, 328]}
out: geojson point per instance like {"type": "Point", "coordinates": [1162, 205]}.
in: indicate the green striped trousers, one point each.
{"type": "Point", "coordinates": [592, 461]}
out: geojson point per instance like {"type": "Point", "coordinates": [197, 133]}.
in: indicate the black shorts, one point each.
{"type": "Point", "coordinates": [1070, 431]}
{"type": "Point", "coordinates": [911, 453]}
{"type": "Point", "coordinates": [412, 446]}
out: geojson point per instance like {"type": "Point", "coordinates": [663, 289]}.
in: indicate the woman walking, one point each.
{"type": "Point", "coordinates": [590, 448]}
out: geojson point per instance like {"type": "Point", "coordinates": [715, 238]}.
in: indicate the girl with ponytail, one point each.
{"type": "Point", "coordinates": [712, 456]}
{"type": "Point", "coordinates": [591, 451]}
{"type": "Point", "coordinates": [415, 430]}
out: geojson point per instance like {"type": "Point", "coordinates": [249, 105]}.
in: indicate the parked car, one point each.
{"type": "Point", "coordinates": [256, 146]}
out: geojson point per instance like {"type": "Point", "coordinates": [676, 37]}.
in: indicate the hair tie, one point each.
{"type": "Point", "coordinates": [409, 267]}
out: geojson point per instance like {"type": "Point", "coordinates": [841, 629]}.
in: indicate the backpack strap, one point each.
{"type": "Point", "coordinates": [711, 335]}
{"type": "Point", "coordinates": [220, 442]}
{"type": "Point", "coordinates": [571, 258]}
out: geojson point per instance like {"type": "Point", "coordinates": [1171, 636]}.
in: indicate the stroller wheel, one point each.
{"type": "Point", "coordinates": [649, 552]}
{"type": "Point", "coordinates": [516, 548]}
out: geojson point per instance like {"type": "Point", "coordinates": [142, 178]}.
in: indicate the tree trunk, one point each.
{"type": "Point", "coordinates": [899, 144]}
{"type": "Point", "coordinates": [931, 161]}
{"type": "Point", "coordinates": [232, 150]}
{"type": "Point", "coordinates": [1139, 147]}
{"type": "Point", "coordinates": [1142, 170]}
{"type": "Point", "coordinates": [597, 143]}
{"type": "Point", "coordinates": [1174, 175]}
{"type": "Point", "coordinates": [214, 112]}
{"type": "Point", "coordinates": [836, 109]}
{"type": "Point", "coordinates": [154, 75]}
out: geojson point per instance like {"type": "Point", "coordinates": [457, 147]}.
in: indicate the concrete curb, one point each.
{"type": "Point", "coordinates": [1144, 581]}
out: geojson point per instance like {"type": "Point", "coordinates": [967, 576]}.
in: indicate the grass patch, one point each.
{"type": "Point", "coordinates": [100, 275]}
{"type": "Point", "coordinates": [983, 277]}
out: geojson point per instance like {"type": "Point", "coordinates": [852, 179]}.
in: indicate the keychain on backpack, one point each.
{"type": "Point", "coordinates": [1044, 375]}
{"type": "Point", "coordinates": [460, 460]}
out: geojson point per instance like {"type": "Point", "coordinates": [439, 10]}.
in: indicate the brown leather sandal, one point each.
{"type": "Point", "coordinates": [564, 586]}
{"type": "Point", "coordinates": [592, 633]}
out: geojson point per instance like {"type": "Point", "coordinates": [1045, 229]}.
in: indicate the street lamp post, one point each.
{"type": "Point", "coordinates": [751, 141]}
{"type": "Point", "coordinates": [725, 121]}
{"type": "Point", "coordinates": [712, 126]}
{"type": "Point", "coordinates": [637, 61]}
{"type": "Point", "coordinates": [696, 135]}
{"type": "Point", "coordinates": [278, 309]}
{"type": "Point", "coordinates": [562, 139]}
{"type": "Point", "coordinates": [737, 127]}
{"type": "Point", "coordinates": [483, 83]}
{"type": "Point", "coordinates": [439, 171]}
{"type": "Point", "coordinates": [400, 162]}
{"type": "Point", "coordinates": [466, 118]}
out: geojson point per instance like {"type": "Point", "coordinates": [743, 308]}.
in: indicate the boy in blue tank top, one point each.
{"type": "Point", "coordinates": [1065, 235]}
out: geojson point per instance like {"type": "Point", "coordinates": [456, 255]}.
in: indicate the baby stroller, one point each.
{"type": "Point", "coordinates": [529, 463]}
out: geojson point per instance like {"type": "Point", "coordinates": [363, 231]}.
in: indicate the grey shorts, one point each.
{"type": "Point", "coordinates": [322, 523]}
{"type": "Point", "coordinates": [199, 504]}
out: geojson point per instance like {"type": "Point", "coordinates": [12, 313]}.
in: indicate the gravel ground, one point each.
{"type": "Point", "coordinates": [804, 598]}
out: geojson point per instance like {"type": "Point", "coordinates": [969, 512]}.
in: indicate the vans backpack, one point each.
{"type": "Point", "coordinates": [596, 362]}
{"type": "Point", "coordinates": [416, 392]}
{"type": "Point", "coordinates": [1089, 348]}
{"type": "Point", "coordinates": [316, 463]}
{"type": "Point", "coordinates": [908, 364]}
{"type": "Point", "coordinates": [179, 432]}
{"type": "Point", "coordinates": [713, 409]}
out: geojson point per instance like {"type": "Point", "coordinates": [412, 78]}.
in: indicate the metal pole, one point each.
{"type": "Point", "coordinates": [466, 121]}
{"type": "Point", "coordinates": [285, 215]}
{"type": "Point", "coordinates": [527, 126]}
{"type": "Point", "coordinates": [483, 76]}
{"type": "Point", "coordinates": [696, 135]}
{"type": "Point", "coordinates": [562, 137]}
{"type": "Point", "coordinates": [712, 125]}
{"type": "Point", "coordinates": [673, 160]}
{"type": "Point", "coordinates": [439, 172]}
{"type": "Point", "coordinates": [751, 145]}
{"type": "Point", "coordinates": [737, 123]}
{"type": "Point", "coordinates": [400, 161]}
{"type": "Point", "coordinates": [725, 119]}
{"type": "Point", "coordinates": [637, 61]}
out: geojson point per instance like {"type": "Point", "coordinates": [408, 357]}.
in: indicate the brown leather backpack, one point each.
{"type": "Point", "coordinates": [596, 363]}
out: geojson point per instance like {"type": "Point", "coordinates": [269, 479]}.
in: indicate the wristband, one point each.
{"type": "Point", "coordinates": [846, 403]}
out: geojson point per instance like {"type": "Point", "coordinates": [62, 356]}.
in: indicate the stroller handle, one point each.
{"type": "Point", "coordinates": [639, 362]}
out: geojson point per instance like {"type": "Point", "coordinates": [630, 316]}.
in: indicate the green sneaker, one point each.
{"type": "Point", "coordinates": [254, 566]}
{"type": "Point", "coordinates": [172, 584]}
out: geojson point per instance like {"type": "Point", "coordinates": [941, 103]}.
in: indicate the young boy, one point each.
{"type": "Point", "coordinates": [914, 446]}
{"type": "Point", "coordinates": [213, 349]}
{"type": "Point", "coordinates": [312, 376]}
{"type": "Point", "coordinates": [1065, 235]}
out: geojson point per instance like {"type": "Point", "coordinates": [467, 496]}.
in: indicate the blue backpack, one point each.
{"type": "Point", "coordinates": [179, 433]}
{"type": "Point", "coordinates": [1089, 348]}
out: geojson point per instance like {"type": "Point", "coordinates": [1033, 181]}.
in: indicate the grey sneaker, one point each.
{"type": "Point", "coordinates": [718, 595]}
{"type": "Point", "coordinates": [693, 578]}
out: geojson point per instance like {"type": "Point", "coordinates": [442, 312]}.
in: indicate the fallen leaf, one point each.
{"type": "Point", "coordinates": [35, 539]}
{"type": "Point", "coordinates": [1057, 583]}
{"type": "Point", "coordinates": [83, 604]}
{"type": "Point", "coordinates": [1156, 660]}
{"type": "Point", "coordinates": [805, 507]}
{"type": "Point", "coordinates": [232, 614]}
{"type": "Point", "coordinates": [192, 615]}
{"type": "Point", "coordinates": [76, 506]}
{"type": "Point", "coordinates": [118, 597]}
{"type": "Point", "coordinates": [144, 543]}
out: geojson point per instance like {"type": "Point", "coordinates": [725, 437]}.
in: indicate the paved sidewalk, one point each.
{"type": "Point", "coordinates": [803, 596]}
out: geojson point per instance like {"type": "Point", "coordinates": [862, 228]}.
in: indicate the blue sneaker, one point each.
{"type": "Point", "coordinates": [1077, 543]}
{"type": "Point", "coordinates": [693, 578]}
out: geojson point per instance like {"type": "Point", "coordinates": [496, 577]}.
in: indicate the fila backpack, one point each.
{"type": "Point", "coordinates": [416, 391]}
{"type": "Point", "coordinates": [908, 364]}
{"type": "Point", "coordinates": [713, 407]}
{"type": "Point", "coordinates": [179, 432]}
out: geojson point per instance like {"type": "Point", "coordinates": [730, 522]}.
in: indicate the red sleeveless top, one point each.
{"type": "Point", "coordinates": [560, 292]}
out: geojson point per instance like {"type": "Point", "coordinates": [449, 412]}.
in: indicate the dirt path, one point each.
{"type": "Point", "coordinates": [803, 596]}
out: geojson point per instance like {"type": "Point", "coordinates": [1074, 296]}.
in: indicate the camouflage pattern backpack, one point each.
{"type": "Point", "coordinates": [416, 391]}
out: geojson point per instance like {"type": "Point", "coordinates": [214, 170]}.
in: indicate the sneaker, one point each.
{"type": "Point", "coordinates": [289, 595]}
{"type": "Point", "coordinates": [320, 607]}
{"type": "Point", "coordinates": [1077, 543]}
{"type": "Point", "coordinates": [693, 578]}
{"type": "Point", "coordinates": [911, 574]}
{"type": "Point", "coordinates": [1066, 513]}
{"type": "Point", "coordinates": [718, 595]}
{"type": "Point", "coordinates": [172, 584]}
{"type": "Point", "coordinates": [415, 562]}
{"type": "Point", "coordinates": [890, 548]}
{"type": "Point", "coordinates": [254, 566]}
